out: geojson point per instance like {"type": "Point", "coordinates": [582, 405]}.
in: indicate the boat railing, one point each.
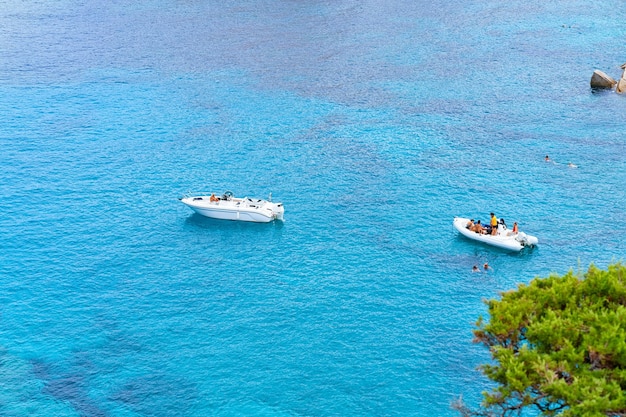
{"type": "Point", "coordinates": [190, 194]}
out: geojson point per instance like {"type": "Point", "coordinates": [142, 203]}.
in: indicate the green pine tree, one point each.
{"type": "Point", "coordinates": [558, 346]}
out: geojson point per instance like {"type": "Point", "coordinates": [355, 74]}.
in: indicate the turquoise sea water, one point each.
{"type": "Point", "coordinates": [374, 122]}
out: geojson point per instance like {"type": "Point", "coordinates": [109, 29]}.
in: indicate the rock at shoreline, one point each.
{"type": "Point", "coordinates": [621, 84]}
{"type": "Point", "coordinates": [600, 80]}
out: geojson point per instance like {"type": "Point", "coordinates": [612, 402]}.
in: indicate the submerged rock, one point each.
{"type": "Point", "coordinates": [600, 80]}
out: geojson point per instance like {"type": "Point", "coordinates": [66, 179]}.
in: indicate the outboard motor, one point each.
{"type": "Point", "coordinates": [526, 240]}
{"type": "Point", "coordinates": [278, 210]}
{"type": "Point", "coordinates": [521, 238]}
{"type": "Point", "coordinates": [532, 241]}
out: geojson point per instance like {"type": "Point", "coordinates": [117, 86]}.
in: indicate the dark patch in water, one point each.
{"type": "Point", "coordinates": [70, 388]}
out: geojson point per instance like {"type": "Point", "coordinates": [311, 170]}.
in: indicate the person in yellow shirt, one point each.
{"type": "Point", "coordinates": [494, 224]}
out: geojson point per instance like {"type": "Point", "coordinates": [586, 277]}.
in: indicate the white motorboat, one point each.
{"type": "Point", "coordinates": [504, 238]}
{"type": "Point", "coordinates": [229, 207]}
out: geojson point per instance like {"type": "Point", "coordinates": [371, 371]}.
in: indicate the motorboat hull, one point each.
{"type": "Point", "coordinates": [237, 209]}
{"type": "Point", "coordinates": [504, 238]}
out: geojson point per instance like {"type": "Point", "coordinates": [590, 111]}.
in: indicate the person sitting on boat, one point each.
{"type": "Point", "coordinates": [515, 230]}
{"type": "Point", "coordinates": [494, 224]}
{"type": "Point", "coordinates": [214, 199]}
{"type": "Point", "coordinates": [478, 228]}
{"type": "Point", "coordinates": [470, 224]}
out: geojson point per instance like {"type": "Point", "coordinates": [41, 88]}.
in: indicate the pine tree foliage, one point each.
{"type": "Point", "coordinates": [558, 346]}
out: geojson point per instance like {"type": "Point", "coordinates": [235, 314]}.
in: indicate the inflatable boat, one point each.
{"type": "Point", "coordinates": [504, 238]}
